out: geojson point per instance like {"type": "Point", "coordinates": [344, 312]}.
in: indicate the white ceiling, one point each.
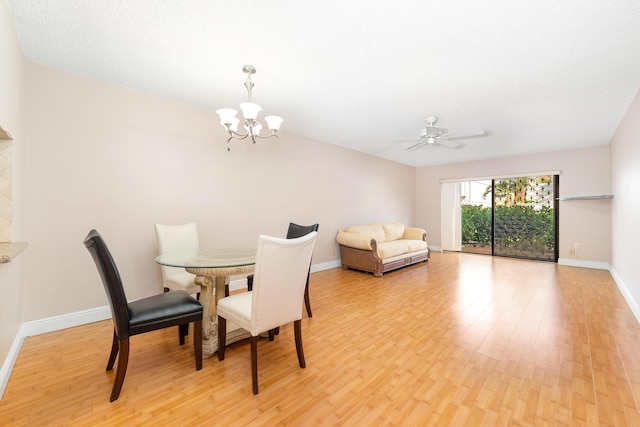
{"type": "Point", "coordinates": [540, 75]}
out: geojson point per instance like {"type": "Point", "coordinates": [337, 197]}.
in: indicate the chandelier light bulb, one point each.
{"type": "Point", "coordinates": [273, 122]}
{"type": "Point", "coordinates": [250, 111]}
{"type": "Point", "coordinates": [227, 115]}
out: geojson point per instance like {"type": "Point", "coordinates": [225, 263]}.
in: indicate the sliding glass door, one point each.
{"type": "Point", "coordinates": [525, 217]}
{"type": "Point", "coordinates": [513, 217]}
{"type": "Point", "coordinates": [476, 216]}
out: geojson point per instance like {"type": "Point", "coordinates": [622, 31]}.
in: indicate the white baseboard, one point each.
{"type": "Point", "coordinates": [631, 302]}
{"type": "Point", "coordinates": [236, 285]}
{"type": "Point", "coordinates": [326, 266]}
{"type": "Point", "coordinates": [7, 366]}
{"type": "Point", "coordinates": [64, 321]}
{"type": "Point", "coordinates": [582, 263]}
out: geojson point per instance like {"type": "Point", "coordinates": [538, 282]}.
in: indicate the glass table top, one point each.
{"type": "Point", "coordinates": [209, 258]}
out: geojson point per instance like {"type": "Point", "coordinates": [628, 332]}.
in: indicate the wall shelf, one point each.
{"type": "Point", "coordinates": [604, 196]}
{"type": "Point", "coordinates": [10, 250]}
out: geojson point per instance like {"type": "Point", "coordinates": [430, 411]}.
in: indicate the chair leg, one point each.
{"type": "Point", "coordinates": [254, 364]}
{"type": "Point", "coordinates": [197, 343]}
{"type": "Point", "coordinates": [307, 304]}
{"type": "Point", "coordinates": [222, 336]}
{"type": "Point", "coordinates": [114, 351]}
{"type": "Point", "coordinates": [183, 331]}
{"type": "Point", "coordinates": [297, 326]}
{"type": "Point", "coordinates": [123, 360]}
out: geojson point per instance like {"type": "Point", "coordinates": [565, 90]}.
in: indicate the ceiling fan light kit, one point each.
{"type": "Point", "coordinates": [433, 136]}
{"type": "Point", "coordinates": [250, 111]}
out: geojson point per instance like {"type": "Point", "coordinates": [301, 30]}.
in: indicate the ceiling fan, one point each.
{"type": "Point", "coordinates": [433, 136]}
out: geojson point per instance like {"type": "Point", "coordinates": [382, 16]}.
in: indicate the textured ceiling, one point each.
{"type": "Point", "coordinates": [540, 75]}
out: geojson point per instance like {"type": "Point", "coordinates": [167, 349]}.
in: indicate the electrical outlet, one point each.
{"type": "Point", "coordinates": [576, 245]}
{"type": "Point", "coordinates": [572, 252]}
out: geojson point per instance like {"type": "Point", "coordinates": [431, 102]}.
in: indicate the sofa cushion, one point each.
{"type": "Point", "coordinates": [412, 233]}
{"type": "Point", "coordinates": [399, 247]}
{"type": "Point", "coordinates": [391, 249]}
{"type": "Point", "coordinates": [371, 231]}
{"type": "Point", "coordinates": [393, 231]}
{"type": "Point", "coordinates": [354, 240]}
{"type": "Point", "coordinates": [414, 245]}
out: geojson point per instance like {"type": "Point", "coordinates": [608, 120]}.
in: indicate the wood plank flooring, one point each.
{"type": "Point", "coordinates": [461, 340]}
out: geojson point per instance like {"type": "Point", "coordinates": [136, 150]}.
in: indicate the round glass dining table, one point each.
{"type": "Point", "coordinates": [221, 264]}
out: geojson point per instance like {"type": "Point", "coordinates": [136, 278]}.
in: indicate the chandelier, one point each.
{"type": "Point", "coordinates": [250, 110]}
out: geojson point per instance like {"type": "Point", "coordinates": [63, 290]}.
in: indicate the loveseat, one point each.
{"type": "Point", "coordinates": [378, 248]}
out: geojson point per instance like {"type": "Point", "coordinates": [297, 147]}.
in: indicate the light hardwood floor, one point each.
{"type": "Point", "coordinates": [461, 340]}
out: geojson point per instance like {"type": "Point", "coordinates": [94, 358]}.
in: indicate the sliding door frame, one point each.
{"type": "Point", "coordinates": [445, 224]}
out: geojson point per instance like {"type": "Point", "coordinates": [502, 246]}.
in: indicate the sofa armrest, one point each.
{"type": "Point", "coordinates": [412, 233]}
{"type": "Point", "coordinates": [355, 240]}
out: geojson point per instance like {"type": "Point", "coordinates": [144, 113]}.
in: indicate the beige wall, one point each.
{"type": "Point", "coordinates": [105, 157]}
{"type": "Point", "coordinates": [583, 172]}
{"type": "Point", "coordinates": [625, 182]}
{"type": "Point", "coordinates": [11, 117]}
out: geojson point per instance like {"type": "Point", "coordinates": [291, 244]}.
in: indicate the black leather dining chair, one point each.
{"type": "Point", "coordinates": [294, 232]}
{"type": "Point", "coordinates": [144, 315]}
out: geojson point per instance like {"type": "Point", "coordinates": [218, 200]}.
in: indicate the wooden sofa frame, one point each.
{"type": "Point", "coordinates": [368, 260]}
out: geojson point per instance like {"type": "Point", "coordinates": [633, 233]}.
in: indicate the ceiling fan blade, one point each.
{"type": "Point", "coordinates": [449, 144]}
{"type": "Point", "coordinates": [416, 146]}
{"type": "Point", "coordinates": [465, 134]}
{"type": "Point", "coordinates": [405, 140]}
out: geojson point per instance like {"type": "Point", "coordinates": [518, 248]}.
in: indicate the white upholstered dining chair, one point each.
{"type": "Point", "coordinates": [175, 238]}
{"type": "Point", "coordinates": [279, 281]}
